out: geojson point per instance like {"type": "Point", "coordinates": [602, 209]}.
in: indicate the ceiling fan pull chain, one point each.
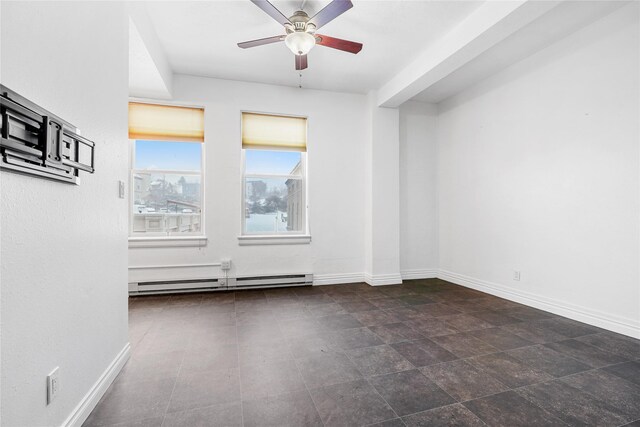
{"type": "Point", "coordinates": [300, 81]}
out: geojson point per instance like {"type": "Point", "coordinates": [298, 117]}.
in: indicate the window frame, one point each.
{"type": "Point", "coordinates": [162, 239]}
{"type": "Point", "coordinates": [268, 237]}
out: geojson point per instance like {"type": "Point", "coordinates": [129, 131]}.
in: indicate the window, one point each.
{"type": "Point", "coordinates": [274, 181]}
{"type": "Point", "coordinates": [166, 173]}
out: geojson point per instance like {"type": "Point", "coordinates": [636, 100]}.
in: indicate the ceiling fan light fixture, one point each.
{"type": "Point", "coordinates": [300, 42]}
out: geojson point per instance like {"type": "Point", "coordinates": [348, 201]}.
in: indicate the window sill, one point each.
{"type": "Point", "coordinates": [167, 241]}
{"type": "Point", "coordinates": [296, 239]}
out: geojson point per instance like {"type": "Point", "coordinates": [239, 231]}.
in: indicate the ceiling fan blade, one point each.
{"type": "Point", "coordinates": [301, 62]}
{"type": "Point", "coordinates": [260, 42]}
{"type": "Point", "coordinates": [271, 11]}
{"type": "Point", "coordinates": [332, 42]}
{"type": "Point", "coordinates": [330, 12]}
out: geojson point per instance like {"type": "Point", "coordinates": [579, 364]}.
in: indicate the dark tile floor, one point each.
{"type": "Point", "coordinates": [425, 353]}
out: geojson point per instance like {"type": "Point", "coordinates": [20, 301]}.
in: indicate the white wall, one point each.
{"type": "Point", "coordinates": [418, 190]}
{"type": "Point", "coordinates": [538, 171]}
{"type": "Point", "coordinates": [64, 247]}
{"type": "Point", "coordinates": [336, 139]}
{"type": "Point", "coordinates": [383, 196]}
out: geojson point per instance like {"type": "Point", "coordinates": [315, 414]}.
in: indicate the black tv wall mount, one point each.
{"type": "Point", "coordinates": [37, 143]}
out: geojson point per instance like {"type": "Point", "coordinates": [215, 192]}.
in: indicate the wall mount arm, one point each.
{"type": "Point", "coordinates": [35, 142]}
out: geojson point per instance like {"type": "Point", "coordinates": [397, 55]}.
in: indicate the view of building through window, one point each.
{"type": "Point", "coordinates": [274, 192]}
{"type": "Point", "coordinates": [167, 187]}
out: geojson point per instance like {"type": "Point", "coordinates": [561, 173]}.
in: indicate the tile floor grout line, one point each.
{"type": "Point", "coordinates": [446, 406]}
{"type": "Point", "coordinates": [540, 382]}
{"type": "Point", "coordinates": [382, 397]}
{"type": "Point", "coordinates": [306, 386]}
{"type": "Point", "coordinates": [374, 388]}
{"type": "Point", "coordinates": [235, 323]}
{"type": "Point", "coordinates": [515, 389]}
{"type": "Point", "coordinates": [535, 404]}
{"type": "Point", "coordinates": [367, 378]}
{"type": "Point", "coordinates": [587, 391]}
{"type": "Point", "coordinates": [175, 383]}
{"type": "Point", "coordinates": [296, 363]}
{"type": "Point", "coordinates": [384, 421]}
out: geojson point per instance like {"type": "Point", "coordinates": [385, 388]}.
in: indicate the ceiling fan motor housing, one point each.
{"type": "Point", "coordinates": [300, 23]}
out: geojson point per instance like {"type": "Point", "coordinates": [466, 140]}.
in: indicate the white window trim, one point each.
{"type": "Point", "coordinates": [263, 239]}
{"type": "Point", "coordinates": [269, 238]}
{"type": "Point", "coordinates": [167, 241]}
{"type": "Point", "coordinates": [160, 239]}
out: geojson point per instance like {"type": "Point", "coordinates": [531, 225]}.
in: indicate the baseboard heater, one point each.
{"type": "Point", "coordinates": [281, 281]}
{"type": "Point", "coordinates": [220, 284]}
{"type": "Point", "coordinates": [174, 286]}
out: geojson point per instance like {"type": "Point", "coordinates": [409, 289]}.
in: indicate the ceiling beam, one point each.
{"type": "Point", "coordinates": [553, 26]}
{"type": "Point", "coordinates": [488, 25]}
{"type": "Point", "coordinates": [147, 60]}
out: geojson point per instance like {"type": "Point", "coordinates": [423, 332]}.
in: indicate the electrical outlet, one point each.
{"type": "Point", "coordinates": [225, 264]}
{"type": "Point", "coordinates": [516, 275]}
{"type": "Point", "coordinates": [53, 385]}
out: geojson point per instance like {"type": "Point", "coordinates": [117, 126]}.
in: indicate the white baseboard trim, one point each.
{"type": "Point", "coordinates": [337, 279]}
{"type": "Point", "coordinates": [426, 273]}
{"type": "Point", "coordinates": [607, 321]}
{"type": "Point", "coordinates": [91, 399]}
{"type": "Point", "coordinates": [382, 279]}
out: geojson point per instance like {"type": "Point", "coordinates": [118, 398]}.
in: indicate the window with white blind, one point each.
{"type": "Point", "coordinates": [274, 152]}
{"type": "Point", "coordinates": [167, 177]}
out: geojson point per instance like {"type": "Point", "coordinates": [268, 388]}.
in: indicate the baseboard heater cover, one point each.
{"type": "Point", "coordinates": [174, 286]}
{"type": "Point", "coordinates": [274, 281]}
{"type": "Point", "coordinates": [220, 284]}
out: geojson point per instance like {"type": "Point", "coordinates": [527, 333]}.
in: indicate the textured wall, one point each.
{"type": "Point", "coordinates": [64, 247]}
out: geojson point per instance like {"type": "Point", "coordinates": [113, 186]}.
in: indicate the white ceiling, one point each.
{"type": "Point", "coordinates": [199, 38]}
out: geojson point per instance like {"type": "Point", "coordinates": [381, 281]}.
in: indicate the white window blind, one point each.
{"type": "Point", "coordinates": [165, 122]}
{"type": "Point", "coordinates": [272, 132]}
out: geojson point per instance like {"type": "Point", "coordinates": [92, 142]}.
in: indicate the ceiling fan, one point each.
{"type": "Point", "coordinates": [300, 30]}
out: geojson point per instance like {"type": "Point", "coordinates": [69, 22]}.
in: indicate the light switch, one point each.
{"type": "Point", "coordinates": [53, 385]}
{"type": "Point", "coordinates": [121, 189]}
